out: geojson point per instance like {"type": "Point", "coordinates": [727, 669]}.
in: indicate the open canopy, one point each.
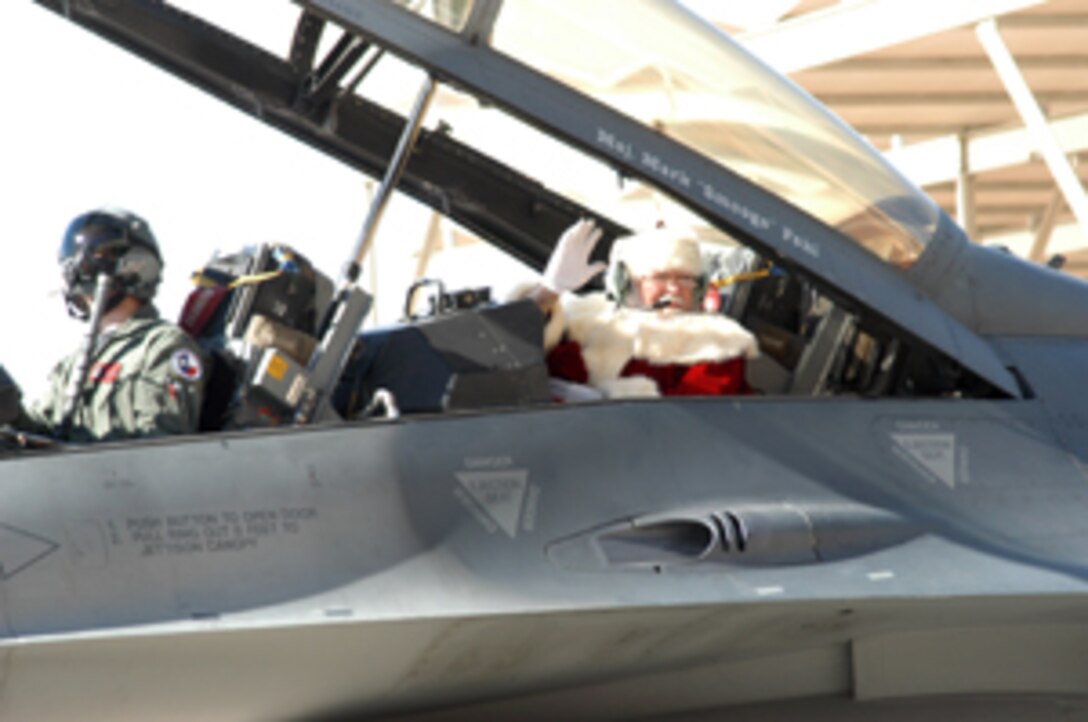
{"type": "Point", "coordinates": [786, 178]}
{"type": "Point", "coordinates": [850, 221]}
{"type": "Point", "coordinates": [689, 81]}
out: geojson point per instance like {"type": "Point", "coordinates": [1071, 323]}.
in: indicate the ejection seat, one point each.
{"type": "Point", "coordinates": [267, 296]}
{"type": "Point", "coordinates": [464, 353]}
{"type": "Point", "coordinates": [770, 303]}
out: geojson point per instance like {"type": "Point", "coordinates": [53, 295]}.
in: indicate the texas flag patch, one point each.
{"type": "Point", "coordinates": [187, 365]}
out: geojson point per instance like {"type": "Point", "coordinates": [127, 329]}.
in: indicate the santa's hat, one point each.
{"type": "Point", "coordinates": [659, 251]}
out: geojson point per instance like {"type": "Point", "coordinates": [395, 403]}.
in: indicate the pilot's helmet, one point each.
{"type": "Point", "coordinates": [114, 242]}
{"type": "Point", "coordinates": [661, 250]}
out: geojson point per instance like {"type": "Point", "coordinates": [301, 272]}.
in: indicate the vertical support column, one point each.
{"type": "Point", "coordinates": [481, 20]}
{"type": "Point", "coordinates": [965, 188]}
{"type": "Point", "coordinates": [1037, 124]}
{"type": "Point", "coordinates": [1044, 229]}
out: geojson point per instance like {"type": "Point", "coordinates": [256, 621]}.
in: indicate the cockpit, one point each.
{"type": "Point", "coordinates": [476, 111]}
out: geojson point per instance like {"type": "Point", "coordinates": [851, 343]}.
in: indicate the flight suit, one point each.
{"type": "Point", "coordinates": [146, 378]}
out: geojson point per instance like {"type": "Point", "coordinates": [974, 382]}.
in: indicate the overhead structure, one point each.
{"type": "Point", "coordinates": [921, 86]}
{"type": "Point", "coordinates": [801, 42]}
{"type": "Point", "coordinates": [1036, 122]}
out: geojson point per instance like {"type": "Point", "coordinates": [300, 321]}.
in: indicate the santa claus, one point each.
{"type": "Point", "coordinates": [649, 334]}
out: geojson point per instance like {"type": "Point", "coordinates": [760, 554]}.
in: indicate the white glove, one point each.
{"type": "Point", "coordinates": [569, 267]}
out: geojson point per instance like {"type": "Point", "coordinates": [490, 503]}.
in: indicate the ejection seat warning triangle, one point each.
{"type": "Point", "coordinates": [499, 493]}
{"type": "Point", "coordinates": [20, 549]}
{"type": "Point", "coordinates": [935, 453]}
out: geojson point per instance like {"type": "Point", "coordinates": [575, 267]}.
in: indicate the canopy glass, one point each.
{"type": "Point", "coordinates": [658, 63]}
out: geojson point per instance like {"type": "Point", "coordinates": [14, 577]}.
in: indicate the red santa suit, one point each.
{"type": "Point", "coordinates": [629, 352]}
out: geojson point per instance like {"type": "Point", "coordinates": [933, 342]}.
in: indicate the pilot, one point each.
{"type": "Point", "coordinates": [135, 374]}
{"type": "Point", "coordinates": [648, 335]}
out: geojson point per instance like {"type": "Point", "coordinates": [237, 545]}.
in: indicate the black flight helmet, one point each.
{"type": "Point", "coordinates": [114, 242]}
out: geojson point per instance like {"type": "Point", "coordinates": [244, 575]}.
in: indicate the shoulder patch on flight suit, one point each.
{"type": "Point", "coordinates": [186, 364]}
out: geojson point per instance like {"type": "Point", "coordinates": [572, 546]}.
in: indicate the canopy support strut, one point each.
{"type": "Point", "coordinates": [393, 173]}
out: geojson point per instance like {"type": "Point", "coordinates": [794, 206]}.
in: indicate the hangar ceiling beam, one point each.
{"type": "Point", "coordinates": [1038, 126]}
{"type": "Point", "coordinates": [937, 161]}
{"type": "Point", "coordinates": [862, 27]}
{"type": "Point", "coordinates": [1063, 237]}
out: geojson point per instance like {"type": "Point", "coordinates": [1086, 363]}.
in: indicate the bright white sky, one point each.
{"type": "Point", "coordinates": [87, 124]}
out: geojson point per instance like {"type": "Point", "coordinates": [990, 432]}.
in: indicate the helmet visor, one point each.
{"type": "Point", "coordinates": [91, 245]}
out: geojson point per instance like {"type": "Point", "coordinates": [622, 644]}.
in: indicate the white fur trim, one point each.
{"type": "Point", "coordinates": [659, 251]}
{"type": "Point", "coordinates": [677, 337]}
{"type": "Point", "coordinates": [607, 343]}
{"type": "Point", "coordinates": [611, 337]}
{"type": "Point", "coordinates": [553, 327]}
{"type": "Point", "coordinates": [630, 387]}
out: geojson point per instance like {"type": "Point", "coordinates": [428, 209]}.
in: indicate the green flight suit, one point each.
{"type": "Point", "coordinates": [146, 378]}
